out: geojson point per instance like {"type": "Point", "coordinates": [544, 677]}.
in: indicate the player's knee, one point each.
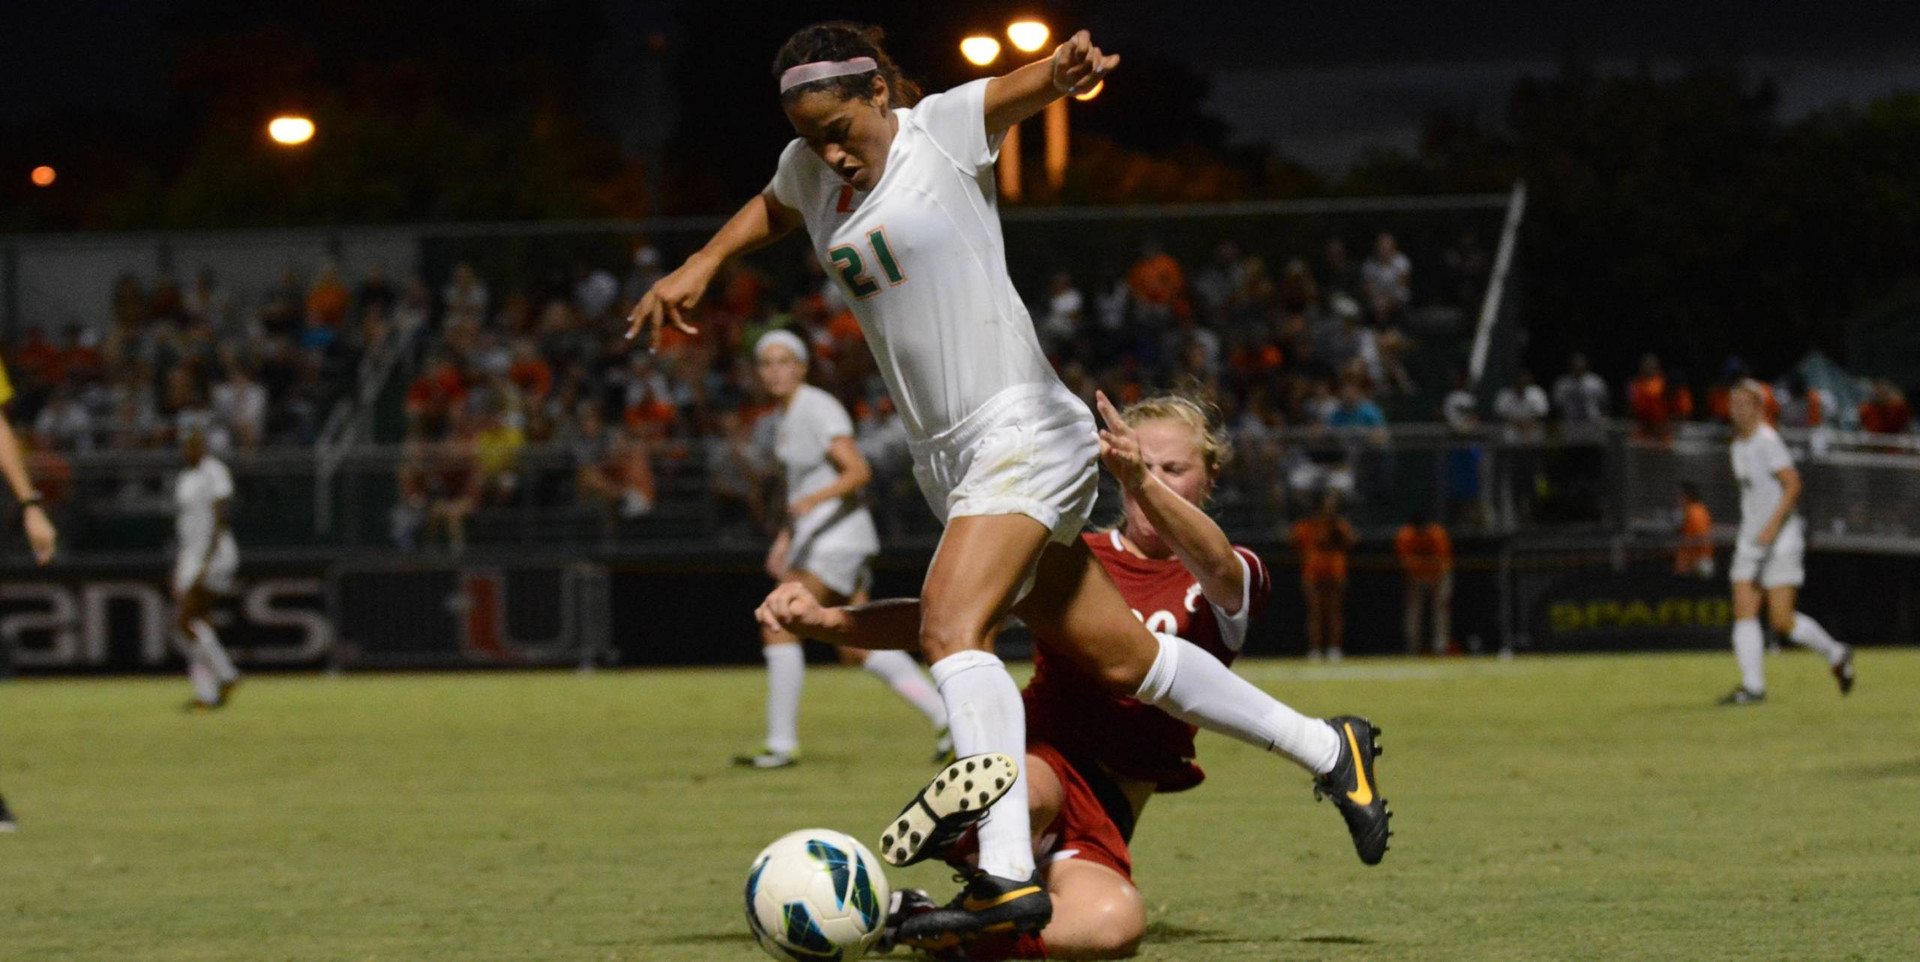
{"type": "Point", "coordinates": [1119, 922]}
{"type": "Point", "coordinates": [944, 634]}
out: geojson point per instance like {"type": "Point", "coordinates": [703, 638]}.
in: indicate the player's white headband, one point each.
{"type": "Point", "coordinates": [786, 339]}
{"type": "Point", "coordinates": [807, 73]}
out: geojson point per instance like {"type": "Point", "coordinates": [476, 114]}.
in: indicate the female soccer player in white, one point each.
{"type": "Point", "coordinates": [825, 547]}
{"type": "Point", "coordinates": [205, 566]}
{"type": "Point", "coordinates": [898, 198]}
{"type": "Point", "coordinates": [1768, 556]}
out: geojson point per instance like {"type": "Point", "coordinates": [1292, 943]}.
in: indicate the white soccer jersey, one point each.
{"type": "Point", "coordinates": [922, 261]}
{"type": "Point", "coordinates": [807, 430]}
{"type": "Point", "coordinates": [194, 495]}
{"type": "Point", "coordinates": [1757, 461]}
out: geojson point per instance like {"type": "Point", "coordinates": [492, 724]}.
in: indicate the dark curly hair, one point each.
{"type": "Point", "coordinates": [843, 40]}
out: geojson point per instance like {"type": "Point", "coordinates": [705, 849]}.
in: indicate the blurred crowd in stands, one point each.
{"type": "Point", "coordinates": [528, 394]}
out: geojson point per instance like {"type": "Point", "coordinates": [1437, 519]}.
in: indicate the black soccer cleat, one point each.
{"type": "Point", "coordinates": [987, 904]}
{"type": "Point", "coordinates": [1354, 789]}
{"type": "Point", "coordinates": [907, 904]}
{"type": "Point", "coordinates": [1741, 696]}
{"type": "Point", "coordinates": [956, 798]}
{"type": "Point", "coordinates": [7, 824]}
{"type": "Point", "coordinates": [1843, 672]}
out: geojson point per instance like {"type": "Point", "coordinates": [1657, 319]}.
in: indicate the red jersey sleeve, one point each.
{"type": "Point", "coordinates": [1253, 599]}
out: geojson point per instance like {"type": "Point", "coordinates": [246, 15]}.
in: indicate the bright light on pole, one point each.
{"type": "Point", "coordinates": [43, 176]}
{"type": "Point", "coordinates": [290, 131]}
{"type": "Point", "coordinates": [1028, 35]}
{"type": "Point", "coordinates": [980, 49]}
{"type": "Point", "coordinates": [1095, 92]}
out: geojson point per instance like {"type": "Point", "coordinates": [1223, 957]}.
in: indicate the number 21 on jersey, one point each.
{"type": "Point", "coordinates": [853, 268]}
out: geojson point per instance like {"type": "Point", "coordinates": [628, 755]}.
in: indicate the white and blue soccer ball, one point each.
{"type": "Point", "coordinates": [816, 895]}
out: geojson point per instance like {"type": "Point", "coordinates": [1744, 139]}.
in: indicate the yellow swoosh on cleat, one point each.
{"type": "Point", "coordinates": [972, 905]}
{"type": "Point", "coordinates": [1363, 792]}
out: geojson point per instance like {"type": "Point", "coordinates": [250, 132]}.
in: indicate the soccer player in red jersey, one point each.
{"type": "Point", "coordinates": [1094, 759]}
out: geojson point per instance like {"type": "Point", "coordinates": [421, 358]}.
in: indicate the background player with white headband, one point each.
{"type": "Point", "coordinates": [898, 197]}
{"type": "Point", "coordinates": [1768, 557]}
{"type": "Point", "coordinates": [825, 546]}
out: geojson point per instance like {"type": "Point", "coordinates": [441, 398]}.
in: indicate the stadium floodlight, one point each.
{"type": "Point", "coordinates": [1028, 35]}
{"type": "Point", "coordinates": [1095, 92]}
{"type": "Point", "coordinates": [43, 176]}
{"type": "Point", "coordinates": [291, 131]}
{"type": "Point", "coordinates": [980, 49]}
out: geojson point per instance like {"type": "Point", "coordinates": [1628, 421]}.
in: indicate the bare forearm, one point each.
{"type": "Point", "coordinates": [1021, 94]}
{"type": "Point", "coordinates": [889, 625]}
{"type": "Point", "coordinates": [759, 222]}
{"type": "Point", "coordinates": [12, 464]}
{"type": "Point", "coordinates": [1203, 549]}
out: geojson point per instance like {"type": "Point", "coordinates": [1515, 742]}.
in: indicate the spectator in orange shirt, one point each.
{"type": "Point", "coordinates": [328, 300]}
{"type": "Point", "coordinates": [1323, 541]}
{"type": "Point", "coordinates": [1886, 410]}
{"type": "Point", "coordinates": [1426, 557]}
{"type": "Point", "coordinates": [1157, 282]}
{"type": "Point", "coordinates": [1695, 554]}
{"type": "Point", "coordinates": [1648, 399]}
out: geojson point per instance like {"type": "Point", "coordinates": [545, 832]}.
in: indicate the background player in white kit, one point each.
{"type": "Point", "coordinates": [205, 567]}
{"type": "Point", "coordinates": [1768, 557]}
{"type": "Point", "coordinates": [825, 547]}
{"type": "Point", "coordinates": [899, 201]}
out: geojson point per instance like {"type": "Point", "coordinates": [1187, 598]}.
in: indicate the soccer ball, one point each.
{"type": "Point", "coordinates": [816, 895]}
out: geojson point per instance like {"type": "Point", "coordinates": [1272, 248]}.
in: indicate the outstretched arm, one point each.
{"type": "Point", "coordinates": [892, 624]}
{"type": "Point", "coordinates": [1203, 549]}
{"type": "Point", "coordinates": [672, 298]}
{"type": "Point", "coordinates": [1075, 67]}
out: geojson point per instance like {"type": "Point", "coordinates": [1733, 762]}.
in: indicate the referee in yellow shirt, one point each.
{"type": "Point", "coordinates": [33, 515]}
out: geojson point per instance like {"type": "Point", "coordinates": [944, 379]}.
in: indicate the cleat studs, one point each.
{"type": "Point", "coordinates": [940, 785]}
{"type": "Point", "coordinates": [963, 804]}
{"type": "Point", "coordinates": [983, 798]}
{"type": "Point", "coordinates": [915, 838]}
{"type": "Point", "coordinates": [969, 767]}
{"type": "Point", "coordinates": [968, 787]}
{"type": "Point", "coordinates": [903, 825]}
{"type": "Point", "coordinates": [999, 783]}
{"type": "Point", "coordinates": [886, 841]}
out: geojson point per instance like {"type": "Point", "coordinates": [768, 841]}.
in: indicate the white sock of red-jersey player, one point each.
{"type": "Point", "coordinates": [985, 714]}
{"type": "Point", "coordinates": [1193, 686]}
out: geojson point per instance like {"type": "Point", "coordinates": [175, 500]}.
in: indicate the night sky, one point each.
{"type": "Point", "coordinates": [1321, 82]}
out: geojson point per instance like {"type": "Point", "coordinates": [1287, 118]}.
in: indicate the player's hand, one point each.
{"type": "Point", "coordinates": [41, 535]}
{"type": "Point", "coordinates": [792, 608]}
{"type": "Point", "coordinates": [803, 507]}
{"type": "Point", "coordinates": [1119, 446]}
{"type": "Point", "coordinates": [1767, 534]}
{"type": "Point", "coordinates": [670, 300]}
{"type": "Point", "coordinates": [1079, 66]}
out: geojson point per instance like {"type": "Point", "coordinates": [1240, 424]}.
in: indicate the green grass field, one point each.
{"type": "Point", "coordinates": [1553, 808]}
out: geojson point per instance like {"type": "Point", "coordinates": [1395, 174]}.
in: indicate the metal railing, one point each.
{"type": "Point", "coordinates": [1862, 491]}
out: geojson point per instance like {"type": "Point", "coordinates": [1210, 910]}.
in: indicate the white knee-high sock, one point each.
{"type": "Point", "coordinates": [206, 685]}
{"type": "Point", "coordinates": [786, 672]}
{"type": "Point", "coordinates": [985, 714]}
{"type": "Point", "coordinates": [903, 675]}
{"type": "Point", "coordinates": [1749, 649]}
{"type": "Point", "coordinates": [1808, 632]}
{"type": "Point", "coordinates": [209, 645]}
{"type": "Point", "coordinates": [1196, 688]}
